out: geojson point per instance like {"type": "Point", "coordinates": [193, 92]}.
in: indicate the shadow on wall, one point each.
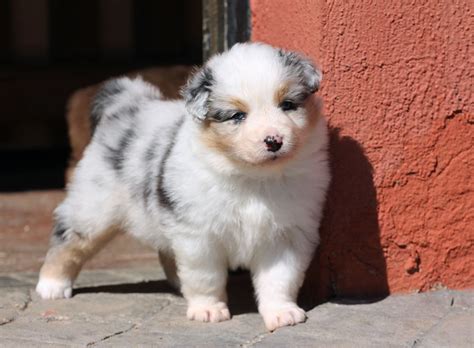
{"type": "Point", "coordinates": [350, 260]}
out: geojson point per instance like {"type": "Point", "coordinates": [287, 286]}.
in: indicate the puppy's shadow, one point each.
{"type": "Point", "coordinates": [145, 287]}
{"type": "Point", "coordinates": [241, 293]}
{"type": "Point", "coordinates": [349, 262]}
{"type": "Point", "coordinates": [239, 290]}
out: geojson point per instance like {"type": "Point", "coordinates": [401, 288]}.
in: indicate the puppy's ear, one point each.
{"type": "Point", "coordinates": [196, 93]}
{"type": "Point", "coordinates": [303, 68]}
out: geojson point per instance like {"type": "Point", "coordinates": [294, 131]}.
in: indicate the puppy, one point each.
{"type": "Point", "coordinates": [234, 175]}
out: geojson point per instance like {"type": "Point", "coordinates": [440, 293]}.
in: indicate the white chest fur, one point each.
{"type": "Point", "coordinates": [243, 216]}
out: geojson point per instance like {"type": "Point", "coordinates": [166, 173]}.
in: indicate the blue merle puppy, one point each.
{"type": "Point", "coordinates": [234, 175]}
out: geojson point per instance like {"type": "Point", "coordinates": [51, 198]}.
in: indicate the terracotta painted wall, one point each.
{"type": "Point", "coordinates": [398, 91]}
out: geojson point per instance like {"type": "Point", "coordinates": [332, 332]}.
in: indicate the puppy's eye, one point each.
{"type": "Point", "coordinates": [238, 117]}
{"type": "Point", "coordinates": [288, 105]}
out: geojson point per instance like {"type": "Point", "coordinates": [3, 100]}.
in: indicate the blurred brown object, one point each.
{"type": "Point", "coordinates": [167, 79]}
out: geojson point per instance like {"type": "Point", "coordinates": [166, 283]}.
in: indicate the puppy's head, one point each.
{"type": "Point", "coordinates": [254, 103]}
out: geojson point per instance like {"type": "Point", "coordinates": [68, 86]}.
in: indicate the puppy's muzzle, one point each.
{"type": "Point", "coordinates": [273, 142]}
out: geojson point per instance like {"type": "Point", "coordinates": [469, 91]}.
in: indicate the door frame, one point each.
{"type": "Point", "coordinates": [224, 23]}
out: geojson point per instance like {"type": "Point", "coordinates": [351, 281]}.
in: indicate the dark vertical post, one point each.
{"type": "Point", "coordinates": [238, 21]}
{"type": "Point", "coordinates": [5, 31]}
{"type": "Point", "coordinates": [225, 22]}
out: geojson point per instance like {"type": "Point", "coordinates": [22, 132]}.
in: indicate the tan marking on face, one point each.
{"type": "Point", "coordinates": [226, 140]}
{"type": "Point", "coordinates": [281, 93]}
{"type": "Point", "coordinates": [212, 136]}
{"type": "Point", "coordinates": [239, 105]}
{"type": "Point", "coordinates": [217, 137]}
{"type": "Point", "coordinates": [241, 144]}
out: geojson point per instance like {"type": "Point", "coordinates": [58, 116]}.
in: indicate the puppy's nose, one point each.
{"type": "Point", "coordinates": [273, 143]}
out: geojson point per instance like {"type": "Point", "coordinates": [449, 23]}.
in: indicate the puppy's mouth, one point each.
{"type": "Point", "coordinates": [279, 157]}
{"type": "Point", "coordinates": [275, 158]}
{"type": "Point", "coordinates": [265, 161]}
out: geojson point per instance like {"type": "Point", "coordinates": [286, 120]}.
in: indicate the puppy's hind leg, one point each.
{"type": "Point", "coordinates": [168, 261]}
{"type": "Point", "coordinates": [69, 250]}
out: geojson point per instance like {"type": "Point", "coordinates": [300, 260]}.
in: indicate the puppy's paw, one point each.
{"type": "Point", "coordinates": [285, 315]}
{"type": "Point", "coordinates": [213, 313]}
{"type": "Point", "coordinates": [52, 289]}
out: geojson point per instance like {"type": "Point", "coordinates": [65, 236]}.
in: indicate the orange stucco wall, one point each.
{"type": "Point", "coordinates": [398, 83]}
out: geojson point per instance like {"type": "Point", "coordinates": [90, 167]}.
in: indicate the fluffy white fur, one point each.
{"type": "Point", "coordinates": [152, 170]}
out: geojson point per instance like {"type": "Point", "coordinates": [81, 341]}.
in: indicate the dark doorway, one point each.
{"type": "Point", "coordinates": [50, 48]}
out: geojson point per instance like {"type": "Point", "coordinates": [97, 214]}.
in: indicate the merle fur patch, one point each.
{"type": "Point", "coordinates": [116, 156]}
{"type": "Point", "coordinates": [150, 152]}
{"type": "Point", "coordinates": [300, 66]}
{"type": "Point", "coordinates": [150, 159]}
{"type": "Point", "coordinates": [103, 98]}
{"type": "Point", "coordinates": [164, 197]}
{"type": "Point", "coordinates": [197, 91]}
{"type": "Point", "coordinates": [128, 111]}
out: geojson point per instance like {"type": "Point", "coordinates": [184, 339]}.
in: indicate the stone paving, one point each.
{"type": "Point", "coordinates": [122, 300]}
{"type": "Point", "coordinates": [135, 307]}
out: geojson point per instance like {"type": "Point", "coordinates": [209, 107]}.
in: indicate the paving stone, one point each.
{"type": "Point", "coordinates": [170, 328]}
{"type": "Point", "coordinates": [33, 342]}
{"type": "Point", "coordinates": [455, 330]}
{"type": "Point", "coordinates": [463, 299]}
{"type": "Point", "coordinates": [143, 273]}
{"type": "Point", "coordinates": [99, 278]}
{"type": "Point", "coordinates": [392, 322]}
{"type": "Point", "coordinates": [8, 281]}
{"type": "Point", "coordinates": [136, 307]}
{"type": "Point", "coordinates": [12, 302]}
{"type": "Point", "coordinates": [107, 280]}
{"type": "Point", "coordinates": [27, 278]}
{"type": "Point", "coordinates": [84, 319]}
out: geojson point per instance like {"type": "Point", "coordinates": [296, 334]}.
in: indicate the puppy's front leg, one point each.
{"type": "Point", "coordinates": [202, 270]}
{"type": "Point", "coordinates": [278, 273]}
